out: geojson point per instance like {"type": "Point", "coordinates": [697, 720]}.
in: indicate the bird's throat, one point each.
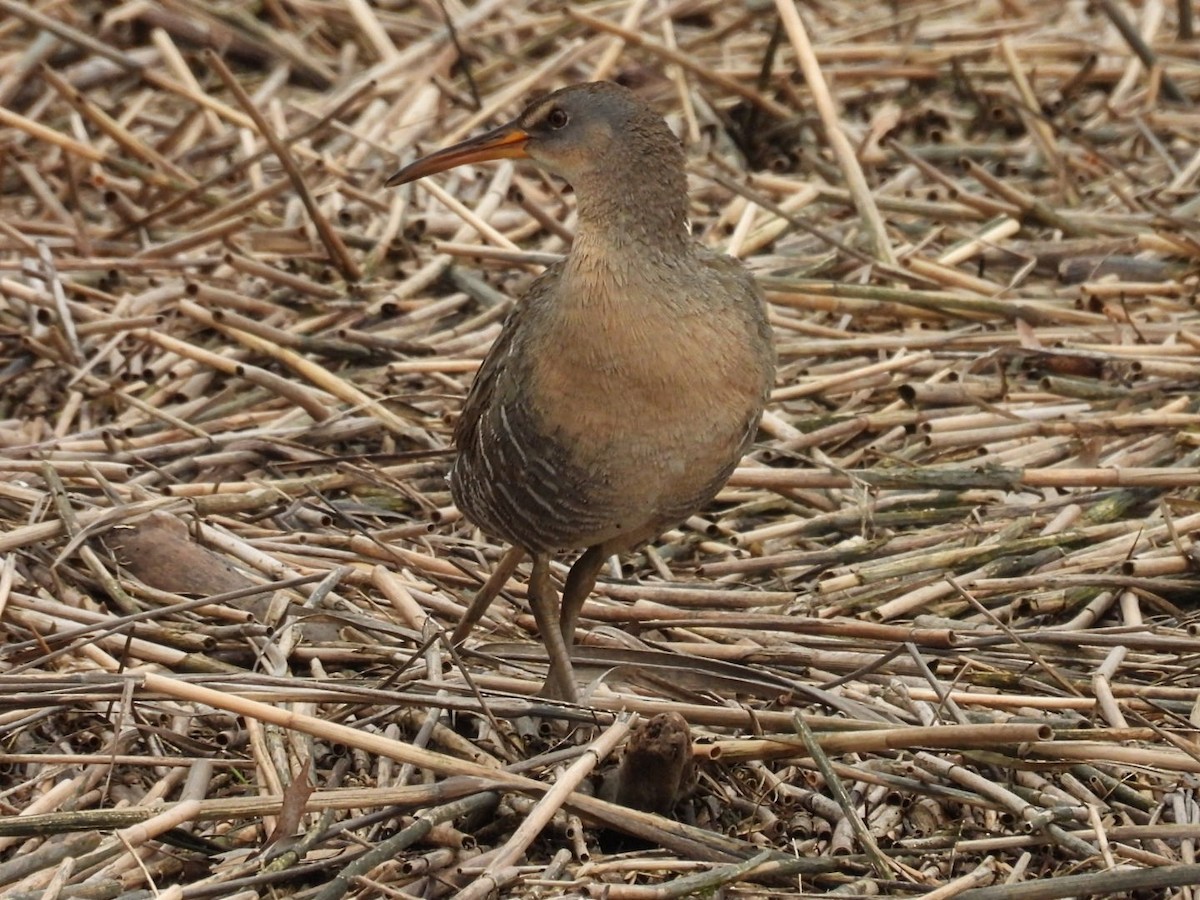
{"type": "Point", "coordinates": [643, 214]}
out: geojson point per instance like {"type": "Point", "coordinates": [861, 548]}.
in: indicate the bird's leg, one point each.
{"type": "Point", "coordinates": [485, 595]}
{"type": "Point", "coordinates": [580, 581]}
{"type": "Point", "coordinates": [560, 682]}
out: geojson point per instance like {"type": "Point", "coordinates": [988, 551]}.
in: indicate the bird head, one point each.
{"type": "Point", "coordinates": [572, 133]}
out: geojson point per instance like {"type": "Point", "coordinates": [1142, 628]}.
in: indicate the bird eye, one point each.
{"type": "Point", "coordinates": [557, 117]}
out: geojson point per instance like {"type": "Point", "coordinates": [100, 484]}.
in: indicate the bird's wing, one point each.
{"type": "Point", "coordinates": [483, 388]}
{"type": "Point", "coordinates": [492, 384]}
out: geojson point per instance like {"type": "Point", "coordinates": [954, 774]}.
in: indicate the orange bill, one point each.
{"type": "Point", "coordinates": [505, 142]}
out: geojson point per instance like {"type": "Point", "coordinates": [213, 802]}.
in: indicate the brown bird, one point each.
{"type": "Point", "coordinates": [630, 379]}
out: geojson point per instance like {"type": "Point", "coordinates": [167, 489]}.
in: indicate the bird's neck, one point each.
{"type": "Point", "coordinates": [640, 212]}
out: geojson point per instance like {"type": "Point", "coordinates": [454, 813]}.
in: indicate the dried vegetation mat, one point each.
{"type": "Point", "coordinates": [935, 638]}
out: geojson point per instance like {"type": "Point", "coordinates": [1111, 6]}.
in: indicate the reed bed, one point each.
{"type": "Point", "coordinates": [937, 637]}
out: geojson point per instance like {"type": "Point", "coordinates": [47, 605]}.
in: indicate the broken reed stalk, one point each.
{"type": "Point", "coordinates": [515, 847]}
{"type": "Point", "coordinates": [957, 736]}
{"type": "Point", "coordinates": [964, 477]}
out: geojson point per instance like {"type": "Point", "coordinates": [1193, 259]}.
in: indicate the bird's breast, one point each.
{"type": "Point", "coordinates": [655, 400]}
